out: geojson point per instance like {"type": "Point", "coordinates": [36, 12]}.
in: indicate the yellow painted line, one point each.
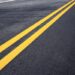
{"type": "Point", "coordinates": [15, 52]}
{"type": "Point", "coordinates": [32, 27]}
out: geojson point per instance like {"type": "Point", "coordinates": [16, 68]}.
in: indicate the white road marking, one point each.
{"type": "Point", "coordinates": [3, 1]}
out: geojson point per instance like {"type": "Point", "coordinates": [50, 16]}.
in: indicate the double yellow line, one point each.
{"type": "Point", "coordinates": [32, 27]}
{"type": "Point", "coordinates": [10, 56]}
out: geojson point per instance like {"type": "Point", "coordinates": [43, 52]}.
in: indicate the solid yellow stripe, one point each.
{"type": "Point", "coordinates": [9, 57]}
{"type": "Point", "coordinates": [25, 32]}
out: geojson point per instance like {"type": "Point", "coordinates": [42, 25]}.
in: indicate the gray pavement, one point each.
{"type": "Point", "coordinates": [52, 53]}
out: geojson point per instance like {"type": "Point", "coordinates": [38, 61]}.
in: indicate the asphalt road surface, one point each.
{"type": "Point", "coordinates": [53, 53]}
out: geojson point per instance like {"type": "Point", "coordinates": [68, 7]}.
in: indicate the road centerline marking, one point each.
{"type": "Point", "coordinates": [15, 52]}
{"type": "Point", "coordinates": [28, 30]}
